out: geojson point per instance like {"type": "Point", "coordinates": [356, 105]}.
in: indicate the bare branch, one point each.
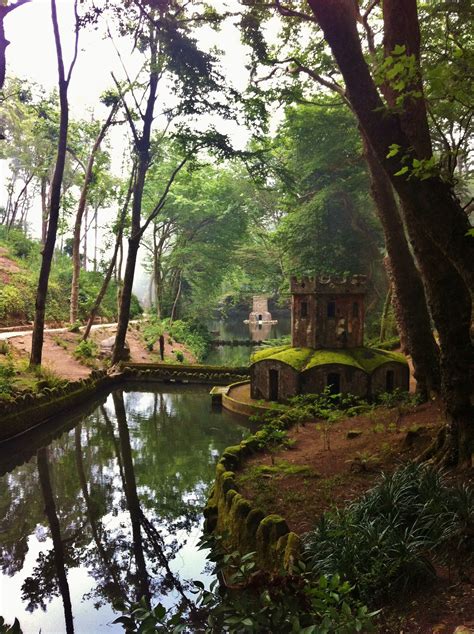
{"type": "Point", "coordinates": [76, 44]}
{"type": "Point", "coordinates": [286, 11]}
{"type": "Point", "coordinates": [160, 204]}
{"type": "Point", "coordinates": [128, 114]}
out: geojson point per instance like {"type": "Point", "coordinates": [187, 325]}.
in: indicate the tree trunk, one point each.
{"type": "Point", "coordinates": [55, 205]}
{"type": "Point", "coordinates": [58, 549]}
{"type": "Point", "coordinates": [81, 209]}
{"type": "Point", "coordinates": [414, 319]}
{"type": "Point", "coordinates": [450, 305]}
{"type": "Point", "coordinates": [44, 209]}
{"type": "Point", "coordinates": [176, 299]}
{"type": "Point", "coordinates": [110, 269]}
{"type": "Point", "coordinates": [385, 311]}
{"type": "Point", "coordinates": [438, 214]}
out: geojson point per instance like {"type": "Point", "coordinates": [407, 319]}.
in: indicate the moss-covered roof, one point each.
{"type": "Point", "coordinates": [302, 359]}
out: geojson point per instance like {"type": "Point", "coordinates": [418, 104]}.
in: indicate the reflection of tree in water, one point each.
{"type": "Point", "coordinates": [124, 483]}
{"type": "Point", "coordinates": [53, 521]}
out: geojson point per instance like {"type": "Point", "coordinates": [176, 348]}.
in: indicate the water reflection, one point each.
{"type": "Point", "coordinates": [235, 328]}
{"type": "Point", "coordinates": [110, 511]}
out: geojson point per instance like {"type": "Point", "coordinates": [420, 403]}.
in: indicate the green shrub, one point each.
{"type": "Point", "coordinates": [11, 301]}
{"type": "Point", "coordinates": [86, 350]}
{"type": "Point", "coordinates": [398, 398]}
{"type": "Point", "coordinates": [391, 538]}
{"type": "Point", "coordinates": [7, 372]}
{"type": "Point", "coordinates": [283, 603]}
{"type": "Point", "coordinates": [179, 356]}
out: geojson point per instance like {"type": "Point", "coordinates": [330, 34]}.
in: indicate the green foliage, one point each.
{"type": "Point", "coordinates": [193, 335]}
{"type": "Point", "coordinates": [17, 297]}
{"type": "Point", "coordinates": [179, 356]}
{"type": "Point", "coordinates": [86, 350]}
{"type": "Point", "coordinates": [391, 538]}
{"type": "Point", "coordinates": [47, 377]}
{"type": "Point", "coordinates": [264, 602]}
{"type": "Point", "coordinates": [398, 398]}
{"type": "Point", "coordinates": [7, 372]}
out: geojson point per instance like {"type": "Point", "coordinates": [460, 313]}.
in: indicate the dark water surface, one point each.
{"type": "Point", "coordinates": [82, 518]}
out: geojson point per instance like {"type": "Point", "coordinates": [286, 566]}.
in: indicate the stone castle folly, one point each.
{"type": "Point", "coordinates": [260, 312]}
{"type": "Point", "coordinates": [327, 346]}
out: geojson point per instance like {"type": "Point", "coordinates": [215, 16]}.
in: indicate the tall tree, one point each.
{"type": "Point", "coordinates": [76, 258]}
{"type": "Point", "coordinates": [55, 191]}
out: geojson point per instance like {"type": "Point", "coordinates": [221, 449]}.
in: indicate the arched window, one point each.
{"type": "Point", "coordinates": [304, 310]}
{"type": "Point", "coordinates": [355, 309]}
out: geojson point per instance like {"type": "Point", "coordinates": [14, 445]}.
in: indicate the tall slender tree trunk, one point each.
{"type": "Point", "coordinates": [385, 313]}
{"type": "Point", "coordinates": [55, 202]}
{"type": "Point", "coordinates": [81, 210]}
{"type": "Point", "coordinates": [51, 514]}
{"type": "Point", "coordinates": [96, 229]}
{"type": "Point", "coordinates": [44, 209]}
{"type": "Point", "coordinates": [142, 148]}
{"type": "Point", "coordinates": [177, 296]}
{"type": "Point", "coordinates": [112, 264]}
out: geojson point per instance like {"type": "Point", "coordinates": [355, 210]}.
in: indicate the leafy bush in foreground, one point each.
{"type": "Point", "coordinates": [391, 537]}
{"type": "Point", "coordinates": [257, 601]}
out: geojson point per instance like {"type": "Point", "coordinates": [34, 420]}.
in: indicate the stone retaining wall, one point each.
{"type": "Point", "coordinates": [30, 409]}
{"type": "Point", "coordinates": [244, 526]}
{"type": "Point", "coordinates": [204, 374]}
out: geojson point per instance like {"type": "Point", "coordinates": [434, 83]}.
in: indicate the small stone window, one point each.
{"type": "Point", "coordinates": [304, 310]}
{"type": "Point", "coordinates": [331, 309]}
{"type": "Point", "coordinates": [355, 309]}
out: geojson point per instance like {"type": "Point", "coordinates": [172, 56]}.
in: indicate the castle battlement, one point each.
{"type": "Point", "coordinates": [329, 284]}
{"type": "Point", "coordinates": [304, 285]}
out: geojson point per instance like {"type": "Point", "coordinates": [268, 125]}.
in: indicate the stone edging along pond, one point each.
{"type": "Point", "coordinates": [244, 526]}
{"type": "Point", "coordinates": [31, 409]}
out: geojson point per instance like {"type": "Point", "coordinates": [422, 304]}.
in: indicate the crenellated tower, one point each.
{"type": "Point", "coordinates": [328, 311]}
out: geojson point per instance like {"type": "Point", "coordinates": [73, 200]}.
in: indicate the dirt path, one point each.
{"type": "Point", "coordinates": [59, 345]}
{"type": "Point", "coordinates": [55, 358]}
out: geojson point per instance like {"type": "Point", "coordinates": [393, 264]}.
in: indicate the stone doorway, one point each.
{"type": "Point", "coordinates": [273, 381]}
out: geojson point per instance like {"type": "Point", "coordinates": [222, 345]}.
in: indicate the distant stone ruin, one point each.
{"type": "Point", "coordinates": [260, 312]}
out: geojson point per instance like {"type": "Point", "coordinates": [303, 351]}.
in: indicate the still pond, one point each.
{"type": "Point", "coordinates": [86, 513]}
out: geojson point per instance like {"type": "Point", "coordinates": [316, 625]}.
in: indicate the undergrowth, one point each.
{"type": "Point", "coordinates": [393, 536]}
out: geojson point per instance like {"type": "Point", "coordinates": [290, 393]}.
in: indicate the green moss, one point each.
{"type": "Point", "coordinates": [267, 352]}
{"type": "Point", "coordinates": [372, 358]}
{"type": "Point", "coordinates": [303, 359]}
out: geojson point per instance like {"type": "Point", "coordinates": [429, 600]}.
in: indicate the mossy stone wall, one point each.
{"type": "Point", "coordinates": [244, 526]}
